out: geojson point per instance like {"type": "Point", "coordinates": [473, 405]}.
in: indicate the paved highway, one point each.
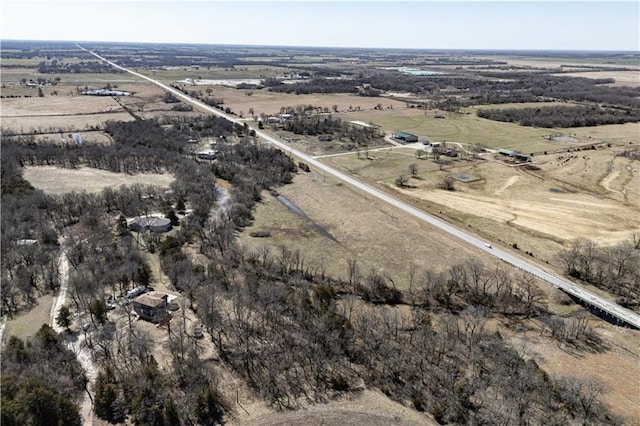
{"type": "Point", "coordinates": [623, 315]}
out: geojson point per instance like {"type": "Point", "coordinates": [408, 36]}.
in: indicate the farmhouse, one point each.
{"type": "Point", "coordinates": [407, 137]}
{"type": "Point", "coordinates": [151, 306]}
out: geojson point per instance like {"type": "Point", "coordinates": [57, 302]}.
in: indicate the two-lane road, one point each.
{"type": "Point", "coordinates": [624, 315]}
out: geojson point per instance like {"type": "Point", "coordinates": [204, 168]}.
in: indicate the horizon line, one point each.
{"type": "Point", "coordinates": [475, 49]}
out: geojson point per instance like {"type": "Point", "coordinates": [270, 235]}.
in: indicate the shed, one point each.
{"type": "Point", "coordinates": [506, 152]}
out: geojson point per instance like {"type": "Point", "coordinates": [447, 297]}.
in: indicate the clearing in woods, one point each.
{"type": "Point", "coordinates": [55, 180]}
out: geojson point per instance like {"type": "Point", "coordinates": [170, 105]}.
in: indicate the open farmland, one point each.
{"type": "Point", "coordinates": [55, 180]}
{"type": "Point", "coordinates": [463, 128]}
{"type": "Point", "coordinates": [379, 237]}
{"type": "Point", "coordinates": [171, 74]}
{"type": "Point", "coordinates": [537, 210]}
{"type": "Point", "coordinates": [622, 78]}
{"type": "Point", "coordinates": [68, 112]}
{"type": "Point", "coordinates": [88, 137]}
{"type": "Point", "coordinates": [270, 103]}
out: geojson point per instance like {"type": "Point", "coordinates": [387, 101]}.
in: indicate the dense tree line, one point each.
{"type": "Point", "coordinates": [314, 85]}
{"type": "Point", "coordinates": [41, 381]}
{"type": "Point", "coordinates": [58, 67]}
{"type": "Point", "coordinates": [562, 116]}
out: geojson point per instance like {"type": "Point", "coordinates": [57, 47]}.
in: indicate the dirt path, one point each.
{"type": "Point", "coordinates": [79, 348]}
{"type": "Point", "coordinates": [608, 179]}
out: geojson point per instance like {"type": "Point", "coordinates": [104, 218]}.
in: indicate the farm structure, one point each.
{"type": "Point", "coordinates": [407, 137]}
{"type": "Point", "coordinates": [515, 155]}
{"type": "Point", "coordinates": [105, 92]}
{"type": "Point", "coordinates": [151, 306]}
{"type": "Point", "coordinates": [151, 223]}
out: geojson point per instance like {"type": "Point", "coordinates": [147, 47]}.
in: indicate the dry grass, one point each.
{"type": "Point", "coordinates": [263, 101]}
{"type": "Point", "coordinates": [368, 408]}
{"type": "Point", "coordinates": [58, 105]}
{"type": "Point", "coordinates": [616, 369]}
{"type": "Point", "coordinates": [68, 112]}
{"type": "Point", "coordinates": [53, 123]}
{"type": "Point", "coordinates": [89, 138]}
{"type": "Point", "coordinates": [512, 205]}
{"type": "Point", "coordinates": [218, 73]}
{"type": "Point", "coordinates": [28, 323]}
{"type": "Point", "coordinates": [464, 128]}
{"type": "Point", "coordinates": [622, 78]}
{"type": "Point", "coordinates": [379, 237]}
{"type": "Point", "coordinates": [55, 181]}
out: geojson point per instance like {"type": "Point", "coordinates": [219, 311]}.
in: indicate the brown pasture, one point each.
{"type": "Point", "coordinates": [540, 211]}
{"type": "Point", "coordinates": [622, 78]}
{"type": "Point", "coordinates": [379, 237]}
{"type": "Point", "coordinates": [263, 101]}
{"type": "Point", "coordinates": [616, 369]}
{"type": "Point", "coordinates": [370, 407]}
{"type": "Point", "coordinates": [55, 180]}
{"type": "Point", "coordinates": [90, 138]}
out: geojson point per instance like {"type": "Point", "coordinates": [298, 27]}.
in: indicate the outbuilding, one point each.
{"type": "Point", "coordinates": [407, 137]}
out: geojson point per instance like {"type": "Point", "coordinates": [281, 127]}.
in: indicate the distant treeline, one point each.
{"type": "Point", "coordinates": [489, 88]}
{"type": "Point", "coordinates": [562, 116]}
{"type": "Point", "coordinates": [58, 67]}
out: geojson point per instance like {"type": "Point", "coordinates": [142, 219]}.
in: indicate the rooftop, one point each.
{"type": "Point", "coordinates": [152, 299]}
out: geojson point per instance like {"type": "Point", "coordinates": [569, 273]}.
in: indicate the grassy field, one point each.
{"type": "Point", "coordinates": [263, 101]}
{"type": "Point", "coordinates": [378, 236]}
{"type": "Point", "coordinates": [553, 62]}
{"type": "Point", "coordinates": [89, 138]}
{"type": "Point", "coordinates": [28, 323]}
{"type": "Point", "coordinates": [55, 181]}
{"type": "Point", "coordinates": [573, 195]}
{"type": "Point", "coordinates": [217, 73]}
{"type": "Point", "coordinates": [464, 128]}
{"type": "Point", "coordinates": [71, 111]}
{"type": "Point", "coordinates": [622, 78]}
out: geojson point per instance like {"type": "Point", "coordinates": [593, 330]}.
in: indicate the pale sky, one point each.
{"type": "Point", "coordinates": [507, 24]}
